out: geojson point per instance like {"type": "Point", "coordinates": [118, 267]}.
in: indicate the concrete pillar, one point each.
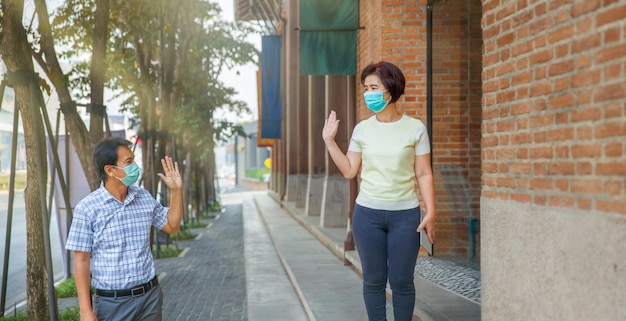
{"type": "Point", "coordinates": [277, 183]}
{"type": "Point", "coordinates": [340, 97]}
{"type": "Point", "coordinates": [273, 172]}
{"type": "Point", "coordinates": [291, 38]}
{"type": "Point", "coordinates": [303, 141]}
{"type": "Point", "coordinates": [317, 151]}
{"type": "Point", "coordinates": [282, 183]}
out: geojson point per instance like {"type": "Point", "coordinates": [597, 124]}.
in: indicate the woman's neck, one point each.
{"type": "Point", "coordinates": [389, 115]}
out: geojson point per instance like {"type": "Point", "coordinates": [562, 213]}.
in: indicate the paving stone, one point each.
{"type": "Point", "coordinates": [209, 282]}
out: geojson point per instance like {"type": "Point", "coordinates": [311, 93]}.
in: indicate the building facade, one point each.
{"type": "Point", "coordinates": [525, 101]}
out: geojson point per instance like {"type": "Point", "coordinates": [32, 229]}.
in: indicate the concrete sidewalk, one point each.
{"type": "Point", "coordinates": [433, 302]}
{"type": "Point", "coordinates": [327, 289]}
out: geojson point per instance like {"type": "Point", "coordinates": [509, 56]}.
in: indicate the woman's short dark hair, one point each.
{"type": "Point", "coordinates": [390, 75]}
{"type": "Point", "coordinates": [105, 153]}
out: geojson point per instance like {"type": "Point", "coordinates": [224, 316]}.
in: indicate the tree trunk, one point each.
{"type": "Point", "coordinates": [167, 97]}
{"type": "Point", "coordinates": [187, 185]}
{"type": "Point", "coordinates": [74, 123]}
{"type": "Point", "coordinates": [211, 175]}
{"type": "Point", "coordinates": [194, 192]}
{"type": "Point", "coordinates": [15, 52]}
{"type": "Point", "coordinates": [98, 70]}
{"type": "Point", "coordinates": [146, 112]}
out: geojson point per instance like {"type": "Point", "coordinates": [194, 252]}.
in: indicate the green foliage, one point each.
{"type": "Point", "coordinates": [20, 181]}
{"type": "Point", "coordinates": [67, 289]}
{"type": "Point", "coordinates": [257, 173]}
{"type": "Point", "coordinates": [184, 235]}
{"type": "Point", "coordinates": [214, 207]}
{"type": "Point", "coordinates": [164, 62]}
{"type": "Point", "coordinates": [139, 59]}
{"type": "Point", "coordinates": [69, 314]}
{"type": "Point", "coordinates": [196, 224]}
{"type": "Point", "coordinates": [22, 316]}
{"type": "Point", "coordinates": [166, 252]}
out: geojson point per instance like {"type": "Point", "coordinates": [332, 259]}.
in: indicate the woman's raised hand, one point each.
{"type": "Point", "coordinates": [330, 127]}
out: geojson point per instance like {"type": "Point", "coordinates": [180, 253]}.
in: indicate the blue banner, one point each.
{"type": "Point", "coordinates": [270, 115]}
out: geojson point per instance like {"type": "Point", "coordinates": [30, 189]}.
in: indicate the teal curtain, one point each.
{"type": "Point", "coordinates": [328, 37]}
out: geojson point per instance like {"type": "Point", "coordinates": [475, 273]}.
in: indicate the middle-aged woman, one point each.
{"type": "Point", "coordinates": [392, 150]}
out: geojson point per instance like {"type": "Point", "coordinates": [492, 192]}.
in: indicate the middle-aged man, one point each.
{"type": "Point", "coordinates": [110, 237]}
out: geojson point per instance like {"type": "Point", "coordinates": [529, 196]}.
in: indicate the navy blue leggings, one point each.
{"type": "Point", "coordinates": [388, 243]}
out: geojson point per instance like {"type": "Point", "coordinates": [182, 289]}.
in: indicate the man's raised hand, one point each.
{"type": "Point", "coordinates": [171, 176]}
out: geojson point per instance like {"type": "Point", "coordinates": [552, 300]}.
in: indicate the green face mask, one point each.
{"type": "Point", "coordinates": [133, 172]}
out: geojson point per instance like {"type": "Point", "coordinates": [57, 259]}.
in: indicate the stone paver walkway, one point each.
{"type": "Point", "coordinates": [209, 281]}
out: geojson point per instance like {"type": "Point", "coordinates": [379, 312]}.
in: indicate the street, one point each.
{"type": "Point", "coordinates": [16, 281]}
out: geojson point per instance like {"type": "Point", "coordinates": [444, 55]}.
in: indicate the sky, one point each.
{"type": "Point", "coordinates": [245, 82]}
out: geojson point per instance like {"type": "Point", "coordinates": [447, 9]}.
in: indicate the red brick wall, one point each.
{"type": "Point", "coordinates": [554, 103]}
{"type": "Point", "coordinates": [368, 47]}
{"type": "Point", "coordinates": [396, 31]}
{"type": "Point", "coordinates": [457, 55]}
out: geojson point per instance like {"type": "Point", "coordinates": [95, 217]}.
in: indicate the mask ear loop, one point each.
{"type": "Point", "coordinates": [390, 97]}
{"type": "Point", "coordinates": [119, 178]}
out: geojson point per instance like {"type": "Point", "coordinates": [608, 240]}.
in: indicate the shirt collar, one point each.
{"type": "Point", "coordinates": [133, 191]}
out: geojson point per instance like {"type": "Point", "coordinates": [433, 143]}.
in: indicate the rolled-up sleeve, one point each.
{"type": "Point", "coordinates": [159, 213]}
{"type": "Point", "coordinates": [80, 237]}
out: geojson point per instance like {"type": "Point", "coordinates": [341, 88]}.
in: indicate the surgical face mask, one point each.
{"type": "Point", "coordinates": [133, 172]}
{"type": "Point", "coordinates": [375, 101]}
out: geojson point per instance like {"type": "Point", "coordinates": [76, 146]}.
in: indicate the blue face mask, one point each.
{"type": "Point", "coordinates": [133, 172]}
{"type": "Point", "coordinates": [375, 101]}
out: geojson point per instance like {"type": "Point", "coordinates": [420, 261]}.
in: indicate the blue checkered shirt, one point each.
{"type": "Point", "coordinates": [117, 236]}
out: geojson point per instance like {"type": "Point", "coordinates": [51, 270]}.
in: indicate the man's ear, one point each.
{"type": "Point", "coordinates": [108, 170]}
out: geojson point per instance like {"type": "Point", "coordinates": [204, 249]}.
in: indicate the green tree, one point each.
{"type": "Point", "coordinates": [98, 69]}
{"type": "Point", "coordinates": [16, 54]}
{"type": "Point", "coordinates": [165, 58]}
{"type": "Point", "coordinates": [44, 51]}
{"type": "Point", "coordinates": [216, 46]}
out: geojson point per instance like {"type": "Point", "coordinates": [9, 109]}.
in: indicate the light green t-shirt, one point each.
{"type": "Point", "coordinates": [388, 153]}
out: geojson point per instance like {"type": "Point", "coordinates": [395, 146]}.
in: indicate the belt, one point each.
{"type": "Point", "coordinates": [136, 291]}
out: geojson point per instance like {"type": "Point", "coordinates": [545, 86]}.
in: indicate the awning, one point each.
{"type": "Point", "coordinates": [328, 37]}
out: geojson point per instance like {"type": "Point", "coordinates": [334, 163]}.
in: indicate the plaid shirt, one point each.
{"type": "Point", "coordinates": [117, 235]}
